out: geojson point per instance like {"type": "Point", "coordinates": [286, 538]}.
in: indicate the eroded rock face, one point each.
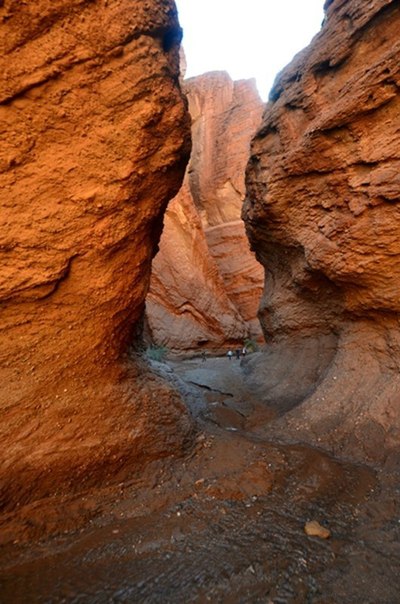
{"type": "Point", "coordinates": [323, 214]}
{"type": "Point", "coordinates": [95, 140]}
{"type": "Point", "coordinates": [206, 283]}
{"type": "Point", "coordinates": [187, 305]}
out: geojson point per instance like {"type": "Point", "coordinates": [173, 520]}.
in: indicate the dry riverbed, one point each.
{"type": "Point", "coordinates": [228, 523]}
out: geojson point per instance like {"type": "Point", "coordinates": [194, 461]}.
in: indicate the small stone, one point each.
{"type": "Point", "coordinates": [314, 529]}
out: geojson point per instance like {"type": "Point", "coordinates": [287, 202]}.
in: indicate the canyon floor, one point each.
{"type": "Point", "coordinates": [224, 524]}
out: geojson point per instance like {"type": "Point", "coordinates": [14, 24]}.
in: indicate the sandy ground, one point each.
{"type": "Point", "coordinates": [224, 524]}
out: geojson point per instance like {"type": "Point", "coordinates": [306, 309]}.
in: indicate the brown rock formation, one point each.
{"type": "Point", "coordinates": [187, 305]}
{"type": "Point", "coordinates": [206, 283]}
{"type": "Point", "coordinates": [225, 115]}
{"type": "Point", "coordinates": [242, 275]}
{"type": "Point", "coordinates": [97, 141]}
{"type": "Point", "coordinates": [323, 214]}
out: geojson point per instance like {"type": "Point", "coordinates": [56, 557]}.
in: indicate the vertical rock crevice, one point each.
{"type": "Point", "coordinates": [205, 281]}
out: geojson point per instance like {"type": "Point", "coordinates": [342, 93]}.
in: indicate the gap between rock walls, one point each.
{"type": "Point", "coordinates": [179, 458]}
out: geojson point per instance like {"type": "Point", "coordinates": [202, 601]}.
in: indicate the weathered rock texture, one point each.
{"type": "Point", "coordinates": [206, 284]}
{"type": "Point", "coordinates": [323, 214]}
{"type": "Point", "coordinates": [95, 138]}
{"type": "Point", "coordinates": [187, 305]}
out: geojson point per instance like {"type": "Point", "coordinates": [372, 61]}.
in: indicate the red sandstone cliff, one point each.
{"type": "Point", "coordinates": [206, 284]}
{"type": "Point", "coordinates": [95, 138]}
{"type": "Point", "coordinates": [323, 215]}
{"type": "Point", "coordinates": [187, 305]}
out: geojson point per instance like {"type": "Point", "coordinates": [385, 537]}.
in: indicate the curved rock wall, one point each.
{"type": "Point", "coordinates": [206, 284]}
{"type": "Point", "coordinates": [95, 140]}
{"type": "Point", "coordinates": [323, 215]}
{"type": "Point", "coordinates": [187, 306]}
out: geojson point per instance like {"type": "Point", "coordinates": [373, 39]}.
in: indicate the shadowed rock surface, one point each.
{"type": "Point", "coordinates": [97, 143]}
{"type": "Point", "coordinates": [323, 215]}
{"type": "Point", "coordinates": [228, 523]}
{"type": "Point", "coordinates": [187, 305]}
{"type": "Point", "coordinates": [206, 284]}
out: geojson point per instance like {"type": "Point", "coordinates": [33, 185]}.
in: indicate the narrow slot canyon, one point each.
{"type": "Point", "coordinates": [150, 226]}
{"type": "Point", "coordinates": [206, 284]}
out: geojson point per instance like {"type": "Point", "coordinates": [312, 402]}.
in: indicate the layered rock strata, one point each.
{"type": "Point", "coordinates": [206, 284]}
{"type": "Point", "coordinates": [95, 138]}
{"type": "Point", "coordinates": [187, 306]}
{"type": "Point", "coordinates": [323, 215]}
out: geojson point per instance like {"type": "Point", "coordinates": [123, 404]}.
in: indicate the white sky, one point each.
{"type": "Point", "coordinates": [246, 38]}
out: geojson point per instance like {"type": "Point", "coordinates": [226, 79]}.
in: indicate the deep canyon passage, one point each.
{"type": "Point", "coordinates": [195, 479]}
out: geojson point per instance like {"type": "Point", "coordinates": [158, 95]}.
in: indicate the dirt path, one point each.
{"type": "Point", "coordinates": [226, 524]}
{"type": "Point", "coordinates": [228, 400]}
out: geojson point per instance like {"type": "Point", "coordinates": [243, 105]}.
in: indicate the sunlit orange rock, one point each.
{"type": "Point", "coordinates": [95, 138]}
{"type": "Point", "coordinates": [323, 215]}
{"type": "Point", "coordinates": [206, 283]}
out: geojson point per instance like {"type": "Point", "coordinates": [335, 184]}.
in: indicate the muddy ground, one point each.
{"type": "Point", "coordinates": [225, 524]}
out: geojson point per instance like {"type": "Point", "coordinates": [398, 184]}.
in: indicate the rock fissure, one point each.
{"type": "Point", "coordinates": [209, 388]}
{"type": "Point", "coordinates": [204, 266]}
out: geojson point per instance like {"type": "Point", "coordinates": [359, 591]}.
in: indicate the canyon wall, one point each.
{"type": "Point", "coordinates": [206, 284]}
{"type": "Point", "coordinates": [323, 214]}
{"type": "Point", "coordinates": [96, 137]}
